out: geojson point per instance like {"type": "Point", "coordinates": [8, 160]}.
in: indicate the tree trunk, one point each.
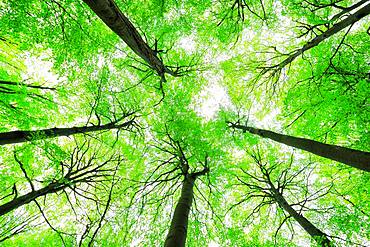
{"type": "Point", "coordinates": [315, 233]}
{"type": "Point", "coordinates": [29, 197]}
{"type": "Point", "coordinates": [361, 13]}
{"type": "Point", "coordinates": [19, 136]}
{"type": "Point", "coordinates": [111, 15]}
{"type": "Point", "coordinates": [348, 9]}
{"type": "Point", "coordinates": [176, 236]}
{"type": "Point", "coordinates": [25, 85]}
{"type": "Point", "coordinates": [348, 156]}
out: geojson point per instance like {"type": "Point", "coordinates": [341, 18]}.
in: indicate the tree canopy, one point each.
{"type": "Point", "coordinates": [184, 123]}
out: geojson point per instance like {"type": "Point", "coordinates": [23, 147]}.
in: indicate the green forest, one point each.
{"type": "Point", "coordinates": [185, 123]}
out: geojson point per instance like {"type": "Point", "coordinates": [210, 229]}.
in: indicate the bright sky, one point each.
{"type": "Point", "coordinates": [213, 244]}
{"type": "Point", "coordinates": [210, 100]}
{"type": "Point", "coordinates": [188, 44]}
{"type": "Point", "coordinates": [39, 69]}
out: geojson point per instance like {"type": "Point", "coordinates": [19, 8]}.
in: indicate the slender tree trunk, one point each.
{"type": "Point", "coordinates": [348, 156]}
{"type": "Point", "coordinates": [315, 233]}
{"type": "Point", "coordinates": [25, 85]}
{"type": "Point", "coordinates": [19, 136]}
{"type": "Point", "coordinates": [29, 197]}
{"type": "Point", "coordinates": [111, 15]}
{"type": "Point", "coordinates": [361, 13]}
{"type": "Point", "coordinates": [176, 236]}
{"type": "Point", "coordinates": [348, 9]}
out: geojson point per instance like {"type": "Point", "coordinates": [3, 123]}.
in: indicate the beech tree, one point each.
{"type": "Point", "coordinates": [355, 158]}
{"type": "Point", "coordinates": [121, 25]}
{"type": "Point", "coordinates": [19, 136]}
{"type": "Point", "coordinates": [178, 230]}
{"type": "Point", "coordinates": [332, 30]}
{"type": "Point", "coordinates": [114, 124]}
{"type": "Point", "coordinates": [266, 188]}
{"type": "Point", "coordinates": [71, 178]}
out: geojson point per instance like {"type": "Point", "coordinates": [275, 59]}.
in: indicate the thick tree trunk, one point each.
{"type": "Point", "coordinates": [348, 156]}
{"type": "Point", "coordinates": [29, 197]}
{"type": "Point", "coordinates": [176, 236]}
{"type": "Point", "coordinates": [111, 15]}
{"type": "Point", "coordinates": [361, 13]}
{"type": "Point", "coordinates": [19, 136]}
{"type": "Point", "coordinates": [314, 232]}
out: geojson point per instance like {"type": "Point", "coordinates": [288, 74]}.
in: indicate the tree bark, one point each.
{"type": "Point", "coordinates": [361, 13]}
{"type": "Point", "coordinates": [25, 85]}
{"type": "Point", "coordinates": [19, 136]}
{"type": "Point", "coordinates": [176, 236]}
{"type": "Point", "coordinates": [348, 9]}
{"type": "Point", "coordinates": [111, 15]}
{"type": "Point", "coordinates": [29, 197]}
{"type": "Point", "coordinates": [320, 237]}
{"type": "Point", "coordinates": [348, 156]}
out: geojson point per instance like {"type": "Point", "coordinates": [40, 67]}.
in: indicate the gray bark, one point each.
{"type": "Point", "coordinates": [319, 236]}
{"type": "Point", "coordinates": [348, 9]}
{"type": "Point", "coordinates": [176, 236]}
{"type": "Point", "coordinates": [25, 85]}
{"type": "Point", "coordinates": [348, 156]}
{"type": "Point", "coordinates": [111, 15]}
{"type": "Point", "coordinates": [29, 197]}
{"type": "Point", "coordinates": [19, 136]}
{"type": "Point", "coordinates": [350, 20]}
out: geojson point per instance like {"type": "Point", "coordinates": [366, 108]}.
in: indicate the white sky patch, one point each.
{"type": "Point", "coordinates": [213, 244]}
{"type": "Point", "coordinates": [228, 221]}
{"type": "Point", "coordinates": [136, 242]}
{"type": "Point", "coordinates": [216, 59]}
{"type": "Point", "coordinates": [174, 14]}
{"type": "Point", "coordinates": [247, 34]}
{"type": "Point", "coordinates": [210, 100]}
{"type": "Point", "coordinates": [247, 229]}
{"type": "Point", "coordinates": [120, 52]}
{"type": "Point", "coordinates": [206, 14]}
{"type": "Point", "coordinates": [237, 154]}
{"type": "Point", "coordinates": [101, 61]}
{"type": "Point", "coordinates": [188, 44]}
{"type": "Point", "coordinates": [39, 69]}
{"type": "Point", "coordinates": [222, 57]}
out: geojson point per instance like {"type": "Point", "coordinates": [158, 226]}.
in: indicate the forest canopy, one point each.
{"type": "Point", "coordinates": [184, 123]}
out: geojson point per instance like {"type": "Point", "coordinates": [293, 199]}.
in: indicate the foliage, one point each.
{"type": "Point", "coordinates": [61, 66]}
